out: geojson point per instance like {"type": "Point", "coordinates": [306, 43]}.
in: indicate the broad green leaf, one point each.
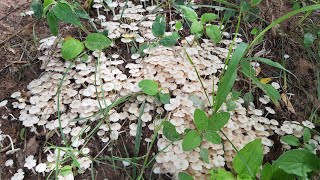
{"type": "Point", "coordinates": [200, 119]}
{"type": "Point", "coordinates": [212, 136]}
{"type": "Point", "coordinates": [298, 162]}
{"type": "Point", "coordinates": [47, 2]}
{"type": "Point", "coordinates": [270, 91]}
{"type": "Point", "coordinates": [159, 26]}
{"type": "Point", "coordinates": [64, 13]}
{"type": "Point", "coordinates": [255, 2]}
{"type": "Point", "coordinates": [170, 132]}
{"type": "Point", "coordinates": [197, 102]}
{"type": "Point", "coordinates": [227, 15]}
{"type": "Point", "coordinates": [268, 62]}
{"type": "Point", "coordinates": [53, 23]}
{"type": "Point", "coordinates": [196, 27]}
{"type": "Point", "coordinates": [66, 170]}
{"type": "Point", "coordinates": [164, 98]}
{"type": "Point", "coordinates": [148, 87]}
{"type": "Point", "coordinates": [191, 140]}
{"type": "Point", "coordinates": [189, 13]}
{"type": "Point", "coordinates": [97, 41]}
{"type": "Point", "coordinates": [220, 174]}
{"type": "Point", "coordinates": [306, 135]}
{"type": "Point", "coordinates": [249, 159]}
{"type": "Point", "coordinates": [296, 6]}
{"type": "Point", "coordinates": [208, 17]}
{"type": "Point", "coordinates": [291, 140]}
{"type": "Point", "coordinates": [204, 155]}
{"type": "Point", "coordinates": [244, 177]}
{"type": "Point", "coordinates": [178, 26]}
{"type": "Point", "coordinates": [245, 6]}
{"type": "Point", "coordinates": [168, 41]}
{"type": "Point", "coordinates": [229, 77]}
{"type": "Point", "coordinates": [308, 39]}
{"type": "Point", "coordinates": [266, 173]}
{"type": "Point", "coordinates": [218, 120]}
{"type": "Point", "coordinates": [214, 33]}
{"type": "Point", "coordinates": [184, 176]}
{"type": "Point", "coordinates": [36, 7]}
{"type": "Point", "coordinates": [71, 49]}
{"type": "Point", "coordinates": [278, 173]}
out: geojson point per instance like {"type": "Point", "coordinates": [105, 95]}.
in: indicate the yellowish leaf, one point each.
{"type": "Point", "coordinates": [265, 80]}
{"type": "Point", "coordinates": [287, 102]}
{"type": "Point", "coordinates": [67, 38]}
{"type": "Point", "coordinates": [258, 70]}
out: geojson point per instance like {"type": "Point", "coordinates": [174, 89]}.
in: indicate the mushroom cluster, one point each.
{"type": "Point", "coordinates": [71, 95]}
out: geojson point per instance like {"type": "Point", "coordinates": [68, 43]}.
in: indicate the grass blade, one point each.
{"type": "Point", "coordinates": [227, 81]}
{"type": "Point", "coordinates": [137, 140]}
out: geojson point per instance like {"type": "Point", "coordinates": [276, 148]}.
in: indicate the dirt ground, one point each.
{"type": "Point", "coordinates": [19, 65]}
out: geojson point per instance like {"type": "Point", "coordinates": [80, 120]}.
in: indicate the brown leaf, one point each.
{"type": "Point", "coordinates": [287, 102]}
{"type": "Point", "coordinates": [31, 147]}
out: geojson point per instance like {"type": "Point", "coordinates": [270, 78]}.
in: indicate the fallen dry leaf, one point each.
{"type": "Point", "coordinates": [287, 102]}
{"type": "Point", "coordinates": [31, 147]}
{"type": "Point", "coordinates": [265, 80]}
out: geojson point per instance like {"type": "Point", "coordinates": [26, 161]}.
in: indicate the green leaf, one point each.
{"type": "Point", "coordinates": [208, 17]}
{"type": "Point", "coordinates": [197, 102]}
{"type": "Point", "coordinates": [214, 33]}
{"type": "Point", "coordinates": [249, 159]}
{"type": "Point", "coordinates": [245, 6]}
{"type": "Point", "coordinates": [71, 48]}
{"type": "Point", "coordinates": [164, 98]}
{"type": "Point", "coordinates": [278, 173]}
{"type": "Point", "coordinates": [97, 41]}
{"type": "Point", "coordinates": [178, 26]}
{"type": "Point", "coordinates": [255, 2]}
{"type": "Point", "coordinates": [220, 174]}
{"type": "Point", "coordinates": [266, 173]}
{"type": "Point", "coordinates": [212, 136]}
{"type": "Point", "coordinates": [310, 147]}
{"type": "Point", "coordinates": [229, 77]}
{"type": "Point", "coordinates": [248, 97]}
{"type": "Point", "coordinates": [191, 140]}
{"type": "Point", "coordinates": [201, 120]}
{"type": "Point", "coordinates": [189, 14]}
{"type": "Point", "coordinates": [184, 176]}
{"type": "Point", "coordinates": [168, 41]}
{"type": "Point", "coordinates": [159, 26]}
{"type": "Point", "coordinates": [306, 135]}
{"type": "Point", "coordinates": [296, 6]}
{"type": "Point", "coordinates": [36, 7]}
{"type": "Point", "coordinates": [270, 91]}
{"type": "Point", "coordinates": [244, 177]}
{"type": "Point", "coordinates": [298, 162]}
{"type": "Point", "coordinates": [53, 23]}
{"type": "Point", "coordinates": [308, 39]}
{"type": "Point", "coordinates": [47, 2]}
{"type": "Point", "coordinates": [204, 155]}
{"type": "Point", "coordinates": [291, 140]}
{"type": "Point", "coordinates": [170, 132]}
{"type": "Point", "coordinates": [196, 27]}
{"type": "Point", "coordinates": [231, 105]}
{"type": "Point", "coordinates": [22, 133]}
{"type": "Point", "coordinates": [148, 87]}
{"type": "Point", "coordinates": [218, 120]}
{"type": "Point", "coordinates": [268, 62]}
{"type": "Point", "coordinates": [64, 13]}
{"type": "Point", "coordinates": [66, 170]}
{"type": "Point", "coordinates": [82, 14]}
